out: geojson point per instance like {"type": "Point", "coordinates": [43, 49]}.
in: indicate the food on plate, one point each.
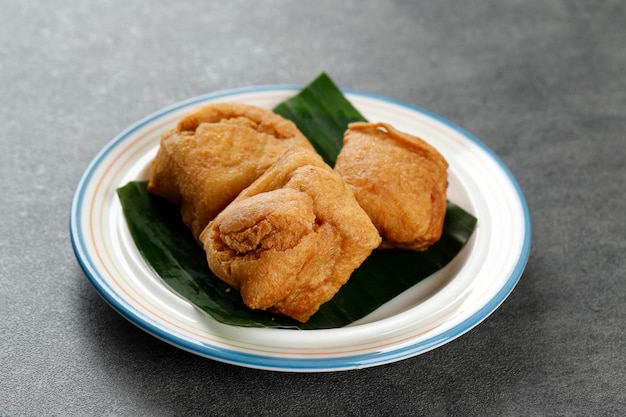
{"type": "Point", "coordinates": [280, 225]}
{"type": "Point", "coordinates": [399, 180]}
{"type": "Point", "coordinates": [215, 152]}
{"type": "Point", "coordinates": [291, 239]}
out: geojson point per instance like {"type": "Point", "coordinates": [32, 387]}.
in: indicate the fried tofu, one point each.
{"type": "Point", "coordinates": [291, 239]}
{"type": "Point", "coordinates": [399, 180]}
{"type": "Point", "coordinates": [215, 152]}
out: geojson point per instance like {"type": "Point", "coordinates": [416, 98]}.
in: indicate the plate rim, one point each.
{"type": "Point", "coordinates": [281, 363]}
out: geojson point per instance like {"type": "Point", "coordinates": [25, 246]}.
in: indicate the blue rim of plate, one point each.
{"type": "Point", "coordinates": [283, 363]}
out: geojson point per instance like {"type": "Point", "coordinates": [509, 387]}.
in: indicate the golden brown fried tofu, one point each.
{"type": "Point", "coordinates": [399, 180]}
{"type": "Point", "coordinates": [215, 152]}
{"type": "Point", "coordinates": [292, 238]}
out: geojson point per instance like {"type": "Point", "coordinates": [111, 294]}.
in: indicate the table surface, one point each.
{"type": "Point", "coordinates": [542, 83]}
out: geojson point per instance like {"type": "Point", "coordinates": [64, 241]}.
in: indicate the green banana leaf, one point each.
{"type": "Point", "coordinates": [168, 246]}
{"type": "Point", "coordinates": [322, 113]}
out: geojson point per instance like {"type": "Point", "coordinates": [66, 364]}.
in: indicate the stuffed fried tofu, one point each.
{"type": "Point", "coordinates": [292, 238]}
{"type": "Point", "coordinates": [399, 180]}
{"type": "Point", "coordinates": [215, 152]}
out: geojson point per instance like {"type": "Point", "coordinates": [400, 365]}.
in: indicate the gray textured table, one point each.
{"type": "Point", "coordinates": [542, 83]}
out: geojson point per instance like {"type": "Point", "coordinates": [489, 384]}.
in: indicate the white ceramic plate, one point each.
{"type": "Point", "coordinates": [434, 312]}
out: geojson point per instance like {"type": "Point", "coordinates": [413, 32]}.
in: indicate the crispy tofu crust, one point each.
{"type": "Point", "coordinates": [399, 180]}
{"type": "Point", "coordinates": [215, 152]}
{"type": "Point", "coordinates": [291, 239]}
